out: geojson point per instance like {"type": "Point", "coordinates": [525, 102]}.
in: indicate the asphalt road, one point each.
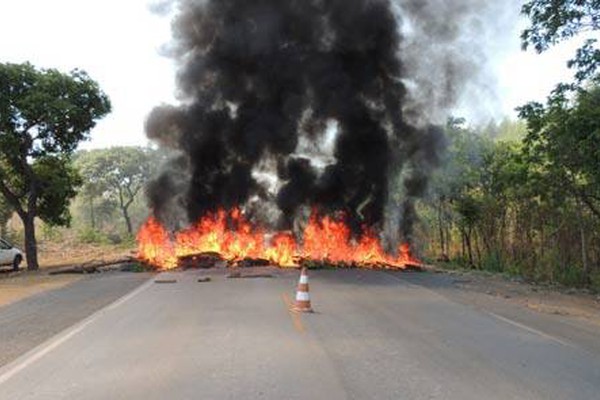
{"type": "Point", "coordinates": [33, 320]}
{"type": "Point", "coordinates": [375, 335]}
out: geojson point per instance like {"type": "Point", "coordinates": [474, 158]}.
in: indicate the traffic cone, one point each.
{"type": "Point", "coordinates": [302, 303]}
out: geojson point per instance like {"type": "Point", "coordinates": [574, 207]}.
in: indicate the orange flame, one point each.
{"type": "Point", "coordinates": [235, 238]}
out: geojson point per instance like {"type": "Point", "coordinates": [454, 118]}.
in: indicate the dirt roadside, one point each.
{"type": "Point", "coordinates": [18, 286]}
{"type": "Point", "coordinates": [544, 299]}
{"type": "Point", "coordinates": [15, 286]}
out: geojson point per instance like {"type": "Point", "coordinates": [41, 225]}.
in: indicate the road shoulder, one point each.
{"type": "Point", "coordinates": [569, 317]}
{"type": "Point", "coordinates": [21, 286]}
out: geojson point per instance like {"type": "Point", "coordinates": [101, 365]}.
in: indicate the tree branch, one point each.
{"type": "Point", "coordinates": [132, 193]}
{"type": "Point", "coordinates": [12, 198]}
{"type": "Point", "coordinates": [588, 202]}
{"type": "Point", "coordinates": [121, 201]}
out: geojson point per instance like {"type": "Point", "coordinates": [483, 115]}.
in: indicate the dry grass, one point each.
{"type": "Point", "coordinates": [62, 247]}
{"type": "Point", "coordinates": [66, 253]}
{"type": "Point", "coordinates": [15, 288]}
{"type": "Point", "coordinates": [55, 254]}
{"type": "Point", "coordinates": [540, 298]}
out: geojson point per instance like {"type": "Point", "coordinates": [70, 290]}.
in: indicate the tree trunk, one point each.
{"type": "Point", "coordinates": [584, 258]}
{"type": "Point", "coordinates": [92, 213]}
{"type": "Point", "coordinates": [542, 239]}
{"type": "Point", "coordinates": [441, 230]}
{"type": "Point", "coordinates": [478, 248]}
{"type": "Point", "coordinates": [30, 241]}
{"type": "Point", "coordinates": [448, 235]}
{"type": "Point", "coordinates": [127, 220]}
{"type": "Point", "coordinates": [463, 251]}
{"type": "Point", "coordinates": [469, 244]}
{"type": "Point", "coordinates": [125, 210]}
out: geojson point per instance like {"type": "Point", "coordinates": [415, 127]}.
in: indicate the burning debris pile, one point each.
{"type": "Point", "coordinates": [230, 237]}
{"type": "Point", "coordinates": [296, 138]}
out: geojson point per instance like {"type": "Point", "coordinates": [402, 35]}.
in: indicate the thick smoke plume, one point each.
{"type": "Point", "coordinates": [291, 104]}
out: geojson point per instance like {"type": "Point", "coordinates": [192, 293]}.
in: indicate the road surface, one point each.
{"type": "Point", "coordinates": [30, 322]}
{"type": "Point", "coordinates": [375, 335]}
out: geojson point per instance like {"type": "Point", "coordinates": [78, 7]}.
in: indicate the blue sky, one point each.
{"type": "Point", "coordinates": [117, 42]}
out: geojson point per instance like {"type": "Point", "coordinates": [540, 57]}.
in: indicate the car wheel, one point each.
{"type": "Point", "coordinates": [16, 262]}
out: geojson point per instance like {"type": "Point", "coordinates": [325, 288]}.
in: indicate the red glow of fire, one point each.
{"type": "Point", "coordinates": [234, 238]}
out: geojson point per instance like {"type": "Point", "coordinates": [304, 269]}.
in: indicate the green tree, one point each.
{"type": "Point", "coordinates": [522, 206]}
{"type": "Point", "coordinates": [553, 21]}
{"type": "Point", "coordinates": [563, 142]}
{"type": "Point", "coordinates": [563, 139]}
{"type": "Point", "coordinates": [6, 212]}
{"type": "Point", "coordinates": [119, 173]}
{"type": "Point", "coordinates": [44, 115]}
{"type": "Point", "coordinates": [454, 189]}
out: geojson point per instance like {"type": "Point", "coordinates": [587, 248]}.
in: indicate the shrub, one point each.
{"type": "Point", "coordinates": [92, 236]}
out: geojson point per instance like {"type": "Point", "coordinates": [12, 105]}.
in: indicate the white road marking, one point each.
{"type": "Point", "coordinates": [494, 315]}
{"type": "Point", "coordinates": [40, 351]}
{"type": "Point", "coordinates": [531, 330]}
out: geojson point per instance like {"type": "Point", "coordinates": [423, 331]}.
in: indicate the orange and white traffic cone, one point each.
{"type": "Point", "coordinates": [302, 303]}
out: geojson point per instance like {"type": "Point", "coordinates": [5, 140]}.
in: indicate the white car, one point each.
{"type": "Point", "coordinates": [10, 255]}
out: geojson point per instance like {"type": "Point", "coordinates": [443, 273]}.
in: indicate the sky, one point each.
{"type": "Point", "coordinates": [118, 43]}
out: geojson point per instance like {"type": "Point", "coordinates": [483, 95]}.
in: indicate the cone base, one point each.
{"type": "Point", "coordinates": [298, 309]}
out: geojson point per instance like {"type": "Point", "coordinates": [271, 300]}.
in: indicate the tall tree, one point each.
{"type": "Point", "coordinates": [553, 21]}
{"type": "Point", "coordinates": [454, 187]}
{"type": "Point", "coordinates": [44, 115]}
{"type": "Point", "coordinates": [563, 140]}
{"type": "Point", "coordinates": [6, 212]}
{"type": "Point", "coordinates": [119, 173]}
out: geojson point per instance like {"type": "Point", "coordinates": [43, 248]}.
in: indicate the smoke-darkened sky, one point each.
{"type": "Point", "coordinates": [69, 33]}
{"type": "Point", "coordinates": [257, 80]}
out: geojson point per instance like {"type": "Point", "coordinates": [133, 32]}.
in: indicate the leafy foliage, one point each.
{"type": "Point", "coordinates": [6, 211]}
{"type": "Point", "coordinates": [514, 206]}
{"type": "Point", "coordinates": [58, 182]}
{"type": "Point", "coordinates": [553, 21]}
{"type": "Point", "coordinates": [118, 175]}
{"type": "Point", "coordinates": [563, 141]}
{"type": "Point", "coordinates": [44, 115]}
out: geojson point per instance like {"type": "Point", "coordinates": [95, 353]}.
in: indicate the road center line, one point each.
{"type": "Point", "coordinates": [40, 351]}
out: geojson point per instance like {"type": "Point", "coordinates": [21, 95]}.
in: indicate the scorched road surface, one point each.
{"type": "Point", "coordinates": [375, 335]}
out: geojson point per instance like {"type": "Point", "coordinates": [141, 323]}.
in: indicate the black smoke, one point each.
{"type": "Point", "coordinates": [258, 77]}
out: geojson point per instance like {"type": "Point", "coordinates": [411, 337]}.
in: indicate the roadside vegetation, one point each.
{"type": "Point", "coordinates": [44, 115]}
{"type": "Point", "coordinates": [104, 215]}
{"type": "Point", "coordinates": [525, 199]}
{"type": "Point", "coordinates": [516, 197]}
{"type": "Point", "coordinates": [50, 192]}
{"type": "Point", "coordinates": [505, 202]}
